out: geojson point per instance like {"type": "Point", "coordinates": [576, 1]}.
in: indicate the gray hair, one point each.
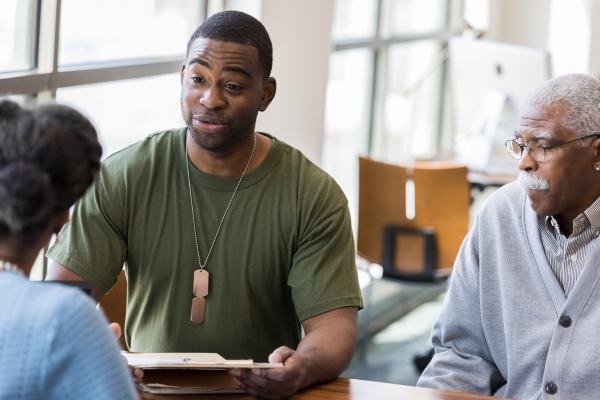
{"type": "Point", "coordinates": [580, 93]}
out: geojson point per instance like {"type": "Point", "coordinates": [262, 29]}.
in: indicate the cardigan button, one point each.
{"type": "Point", "coordinates": [565, 321]}
{"type": "Point", "coordinates": [551, 388]}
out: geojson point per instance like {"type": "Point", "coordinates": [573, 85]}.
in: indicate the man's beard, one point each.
{"type": "Point", "coordinates": [222, 142]}
{"type": "Point", "coordinates": [532, 182]}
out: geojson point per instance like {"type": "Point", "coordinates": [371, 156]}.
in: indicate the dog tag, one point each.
{"type": "Point", "coordinates": [200, 283]}
{"type": "Point", "coordinates": [198, 308]}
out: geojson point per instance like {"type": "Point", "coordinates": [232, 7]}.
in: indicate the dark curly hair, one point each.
{"type": "Point", "coordinates": [49, 156]}
{"type": "Point", "coordinates": [241, 28]}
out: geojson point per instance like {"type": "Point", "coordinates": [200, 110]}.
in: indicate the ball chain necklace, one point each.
{"type": "Point", "coordinates": [200, 287]}
{"type": "Point", "coordinates": [6, 266]}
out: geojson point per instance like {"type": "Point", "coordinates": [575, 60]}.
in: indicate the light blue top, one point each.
{"type": "Point", "coordinates": [54, 344]}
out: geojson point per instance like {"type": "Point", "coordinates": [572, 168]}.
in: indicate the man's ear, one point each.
{"type": "Point", "coordinates": [182, 73]}
{"type": "Point", "coordinates": [269, 89]}
{"type": "Point", "coordinates": [596, 149]}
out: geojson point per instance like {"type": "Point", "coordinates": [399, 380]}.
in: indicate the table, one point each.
{"type": "Point", "coordinates": [343, 389]}
{"type": "Point", "coordinates": [481, 181]}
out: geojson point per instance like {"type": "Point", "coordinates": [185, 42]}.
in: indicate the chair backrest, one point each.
{"type": "Point", "coordinates": [114, 305]}
{"type": "Point", "coordinates": [442, 200]}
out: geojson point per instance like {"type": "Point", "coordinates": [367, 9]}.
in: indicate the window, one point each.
{"type": "Point", "coordinates": [385, 95]}
{"type": "Point", "coordinates": [347, 115]}
{"type": "Point", "coordinates": [411, 102]}
{"type": "Point", "coordinates": [354, 19]}
{"type": "Point", "coordinates": [16, 34]}
{"type": "Point", "coordinates": [103, 58]}
{"type": "Point", "coordinates": [20, 99]}
{"type": "Point", "coordinates": [415, 16]}
{"type": "Point", "coordinates": [93, 31]}
{"type": "Point", "coordinates": [125, 112]}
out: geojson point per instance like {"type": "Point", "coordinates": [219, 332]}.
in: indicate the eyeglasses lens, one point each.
{"type": "Point", "coordinates": [536, 151]}
{"type": "Point", "coordinates": [513, 149]}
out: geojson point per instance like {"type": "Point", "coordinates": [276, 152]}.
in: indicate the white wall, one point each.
{"type": "Point", "coordinates": [569, 29]}
{"type": "Point", "coordinates": [570, 35]}
{"type": "Point", "coordinates": [301, 34]}
{"type": "Point", "coordinates": [522, 22]}
{"type": "Point", "coordinates": [594, 59]}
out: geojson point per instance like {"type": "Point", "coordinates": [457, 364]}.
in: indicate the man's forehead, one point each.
{"type": "Point", "coordinates": [221, 49]}
{"type": "Point", "coordinates": [538, 112]}
{"type": "Point", "coordinates": [542, 121]}
{"type": "Point", "coordinates": [531, 134]}
{"type": "Point", "coordinates": [534, 130]}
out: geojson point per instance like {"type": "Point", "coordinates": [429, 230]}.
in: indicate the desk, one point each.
{"type": "Point", "coordinates": [481, 181]}
{"type": "Point", "coordinates": [344, 389]}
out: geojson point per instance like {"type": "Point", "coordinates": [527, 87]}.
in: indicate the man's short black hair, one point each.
{"type": "Point", "coordinates": [241, 28]}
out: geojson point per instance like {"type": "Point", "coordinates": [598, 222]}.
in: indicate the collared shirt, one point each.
{"type": "Point", "coordinates": [567, 256]}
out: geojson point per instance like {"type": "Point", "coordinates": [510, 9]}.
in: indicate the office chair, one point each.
{"type": "Point", "coordinates": [418, 249]}
{"type": "Point", "coordinates": [114, 305]}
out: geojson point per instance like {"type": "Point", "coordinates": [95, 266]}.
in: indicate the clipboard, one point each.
{"type": "Point", "coordinates": [189, 373]}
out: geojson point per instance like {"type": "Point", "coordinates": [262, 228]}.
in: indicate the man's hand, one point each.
{"type": "Point", "coordinates": [276, 383]}
{"type": "Point", "coordinates": [322, 355]}
{"type": "Point", "coordinates": [137, 373]}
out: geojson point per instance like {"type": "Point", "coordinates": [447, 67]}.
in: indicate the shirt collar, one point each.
{"type": "Point", "coordinates": [552, 226]}
{"type": "Point", "coordinates": [592, 213]}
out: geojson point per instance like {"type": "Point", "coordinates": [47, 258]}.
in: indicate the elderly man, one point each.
{"type": "Point", "coordinates": [522, 314]}
{"type": "Point", "coordinates": [232, 240]}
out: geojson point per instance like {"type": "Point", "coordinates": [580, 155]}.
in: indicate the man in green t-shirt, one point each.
{"type": "Point", "coordinates": [232, 241]}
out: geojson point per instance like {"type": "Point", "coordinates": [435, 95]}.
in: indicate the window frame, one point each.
{"type": "Point", "coordinates": [45, 77]}
{"type": "Point", "coordinates": [380, 46]}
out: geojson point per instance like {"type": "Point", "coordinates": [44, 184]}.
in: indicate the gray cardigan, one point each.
{"type": "Point", "coordinates": [499, 331]}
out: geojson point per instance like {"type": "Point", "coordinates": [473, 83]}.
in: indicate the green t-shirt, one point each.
{"type": "Point", "coordinates": [285, 251]}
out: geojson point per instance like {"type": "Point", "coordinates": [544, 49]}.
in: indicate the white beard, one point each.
{"type": "Point", "coordinates": [532, 182]}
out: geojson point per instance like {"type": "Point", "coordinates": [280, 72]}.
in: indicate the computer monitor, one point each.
{"type": "Point", "coordinates": [490, 82]}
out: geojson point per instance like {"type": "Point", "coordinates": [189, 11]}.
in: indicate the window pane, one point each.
{"type": "Point", "coordinates": [354, 19]}
{"type": "Point", "coordinates": [415, 16]}
{"type": "Point", "coordinates": [93, 31]}
{"type": "Point", "coordinates": [124, 112]}
{"type": "Point", "coordinates": [15, 34]}
{"type": "Point", "coordinates": [21, 99]}
{"type": "Point", "coordinates": [411, 102]}
{"type": "Point", "coordinates": [347, 113]}
{"type": "Point", "coordinates": [252, 7]}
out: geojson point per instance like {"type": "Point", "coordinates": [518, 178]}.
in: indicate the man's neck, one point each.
{"type": "Point", "coordinates": [229, 164]}
{"type": "Point", "coordinates": [565, 219]}
{"type": "Point", "coordinates": [565, 224]}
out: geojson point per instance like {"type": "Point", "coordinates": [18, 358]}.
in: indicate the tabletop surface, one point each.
{"type": "Point", "coordinates": [343, 389]}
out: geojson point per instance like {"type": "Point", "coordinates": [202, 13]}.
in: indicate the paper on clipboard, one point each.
{"type": "Point", "coordinates": [190, 360]}
{"type": "Point", "coordinates": [189, 373]}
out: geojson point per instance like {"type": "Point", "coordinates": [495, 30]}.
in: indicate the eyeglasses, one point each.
{"type": "Point", "coordinates": [536, 151]}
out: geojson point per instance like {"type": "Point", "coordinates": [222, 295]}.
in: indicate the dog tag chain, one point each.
{"type": "Point", "coordinates": [200, 286]}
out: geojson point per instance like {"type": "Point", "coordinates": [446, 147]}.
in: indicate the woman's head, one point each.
{"type": "Point", "coordinates": [49, 156]}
